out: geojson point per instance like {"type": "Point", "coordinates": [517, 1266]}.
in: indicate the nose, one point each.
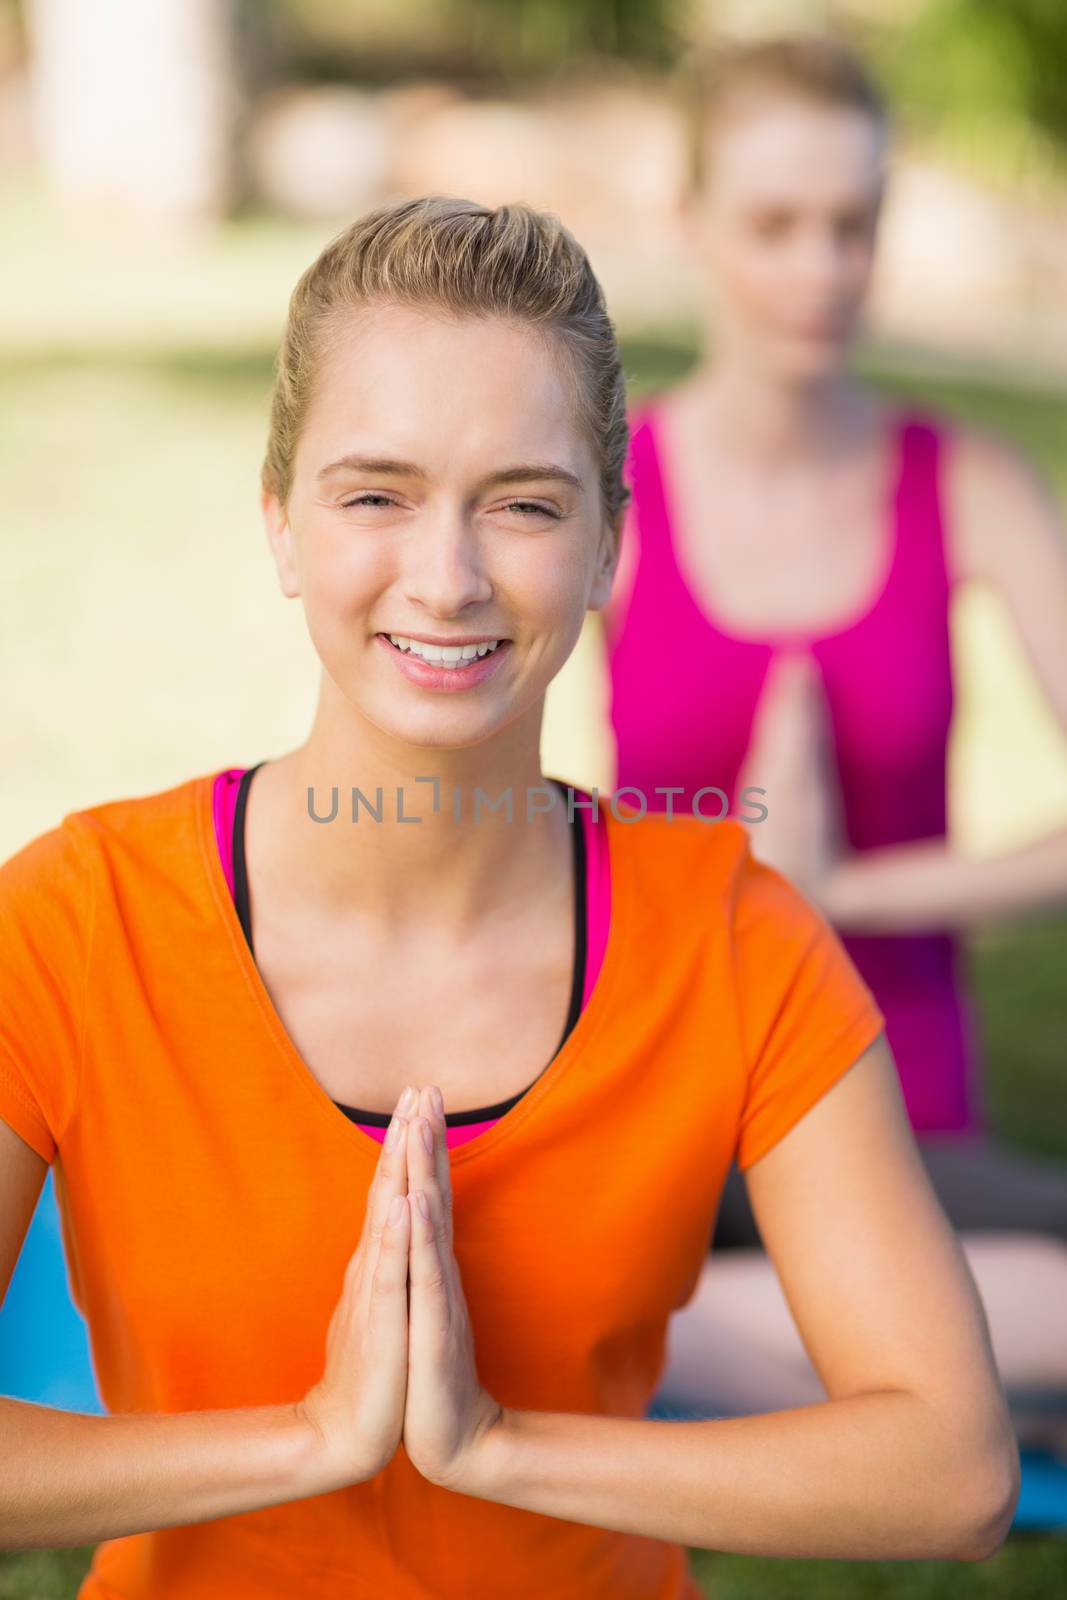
{"type": "Point", "coordinates": [445, 569]}
{"type": "Point", "coordinates": [823, 261]}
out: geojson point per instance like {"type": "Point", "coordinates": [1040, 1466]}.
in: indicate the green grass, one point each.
{"type": "Point", "coordinates": [150, 632]}
{"type": "Point", "coordinates": [43, 1574]}
{"type": "Point", "coordinates": [1017, 980]}
{"type": "Point", "coordinates": [1027, 1568]}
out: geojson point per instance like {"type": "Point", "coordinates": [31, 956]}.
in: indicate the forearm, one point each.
{"type": "Point", "coordinates": [930, 886]}
{"type": "Point", "coordinates": [874, 1476]}
{"type": "Point", "coordinates": [71, 1479]}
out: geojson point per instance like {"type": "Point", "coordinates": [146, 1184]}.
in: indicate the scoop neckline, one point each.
{"type": "Point", "coordinates": [588, 1025]}
{"type": "Point", "coordinates": [787, 638]}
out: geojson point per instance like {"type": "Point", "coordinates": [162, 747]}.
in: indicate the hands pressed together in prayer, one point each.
{"type": "Point", "coordinates": [399, 1350]}
{"type": "Point", "coordinates": [791, 757]}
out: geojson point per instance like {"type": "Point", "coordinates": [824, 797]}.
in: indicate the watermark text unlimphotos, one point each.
{"type": "Point", "coordinates": [709, 804]}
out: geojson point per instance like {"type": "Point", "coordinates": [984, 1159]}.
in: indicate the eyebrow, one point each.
{"type": "Point", "coordinates": [521, 473]}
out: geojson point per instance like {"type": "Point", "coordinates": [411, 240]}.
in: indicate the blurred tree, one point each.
{"type": "Point", "coordinates": [134, 107]}
{"type": "Point", "coordinates": [1034, 34]}
{"type": "Point", "coordinates": [984, 69]}
{"type": "Point", "coordinates": [546, 32]}
{"type": "Point", "coordinates": [475, 41]}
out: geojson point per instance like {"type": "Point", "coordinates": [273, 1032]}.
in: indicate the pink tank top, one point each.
{"type": "Point", "coordinates": [888, 683]}
{"type": "Point", "coordinates": [597, 917]}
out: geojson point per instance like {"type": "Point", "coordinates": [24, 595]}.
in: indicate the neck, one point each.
{"type": "Point", "coordinates": [765, 421]}
{"type": "Point", "coordinates": [439, 853]}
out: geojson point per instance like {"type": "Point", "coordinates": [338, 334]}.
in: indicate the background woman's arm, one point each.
{"type": "Point", "coordinates": [912, 1456]}
{"type": "Point", "coordinates": [931, 885]}
{"type": "Point", "coordinates": [1003, 529]}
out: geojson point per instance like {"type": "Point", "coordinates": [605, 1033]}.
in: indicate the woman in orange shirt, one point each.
{"type": "Point", "coordinates": [314, 1387]}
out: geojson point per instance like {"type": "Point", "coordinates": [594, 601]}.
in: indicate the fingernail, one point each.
{"type": "Point", "coordinates": [396, 1210]}
{"type": "Point", "coordinates": [427, 1135]}
{"type": "Point", "coordinates": [422, 1203]}
{"type": "Point", "coordinates": [392, 1138]}
{"type": "Point", "coordinates": [438, 1100]}
{"type": "Point", "coordinates": [407, 1101]}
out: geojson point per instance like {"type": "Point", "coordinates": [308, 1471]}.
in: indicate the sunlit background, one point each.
{"type": "Point", "coordinates": [167, 169]}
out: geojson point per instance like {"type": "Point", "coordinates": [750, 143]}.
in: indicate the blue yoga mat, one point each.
{"type": "Point", "coordinates": [1043, 1496]}
{"type": "Point", "coordinates": [44, 1343]}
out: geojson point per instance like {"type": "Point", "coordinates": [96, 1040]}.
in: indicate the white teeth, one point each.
{"type": "Point", "coordinates": [451, 655]}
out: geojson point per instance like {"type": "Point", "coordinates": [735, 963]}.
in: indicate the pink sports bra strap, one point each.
{"type": "Point", "coordinates": [922, 546]}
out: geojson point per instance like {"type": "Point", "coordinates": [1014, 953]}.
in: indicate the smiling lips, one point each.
{"type": "Point", "coordinates": [445, 666]}
{"type": "Point", "coordinates": [454, 655]}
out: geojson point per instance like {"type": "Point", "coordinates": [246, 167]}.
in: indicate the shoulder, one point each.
{"type": "Point", "coordinates": [642, 468]}
{"type": "Point", "coordinates": [705, 869]}
{"type": "Point", "coordinates": [1000, 509]}
{"type": "Point", "coordinates": [47, 915]}
{"type": "Point", "coordinates": [142, 821]}
{"type": "Point", "coordinates": [678, 840]}
{"type": "Point", "coordinates": [648, 417]}
{"type": "Point", "coordinates": [50, 871]}
{"type": "Point", "coordinates": [706, 875]}
{"type": "Point", "coordinates": [639, 410]}
{"type": "Point", "coordinates": [67, 862]}
{"type": "Point", "coordinates": [640, 419]}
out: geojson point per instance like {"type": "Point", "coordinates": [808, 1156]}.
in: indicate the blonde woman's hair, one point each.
{"type": "Point", "coordinates": [813, 67]}
{"type": "Point", "coordinates": [466, 259]}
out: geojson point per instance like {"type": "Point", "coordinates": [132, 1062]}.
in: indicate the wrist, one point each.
{"type": "Point", "coordinates": [839, 893]}
{"type": "Point", "coordinates": [318, 1467]}
{"type": "Point", "coordinates": [484, 1473]}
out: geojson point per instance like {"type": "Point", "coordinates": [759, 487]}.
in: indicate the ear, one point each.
{"type": "Point", "coordinates": [280, 539]}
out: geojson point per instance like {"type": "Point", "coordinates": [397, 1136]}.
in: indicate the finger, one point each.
{"type": "Point", "coordinates": [794, 682]}
{"type": "Point", "coordinates": [390, 1174]}
{"type": "Point", "coordinates": [387, 1310]}
{"type": "Point", "coordinates": [438, 1300]}
{"type": "Point", "coordinates": [442, 1168]}
{"type": "Point", "coordinates": [422, 1175]}
{"type": "Point", "coordinates": [423, 1151]}
{"type": "Point", "coordinates": [391, 1178]}
{"type": "Point", "coordinates": [390, 1183]}
{"type": "Point", "coordinates": [427, 1272]}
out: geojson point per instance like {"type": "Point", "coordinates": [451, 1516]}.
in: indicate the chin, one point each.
{"type": "Point", "coordinates": [810, 360]}
{"type": "Point", "coordinates": [439, 729]}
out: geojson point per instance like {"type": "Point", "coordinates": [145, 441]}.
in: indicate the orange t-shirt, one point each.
{"type": "Point", "coordinates": [211, 1192]}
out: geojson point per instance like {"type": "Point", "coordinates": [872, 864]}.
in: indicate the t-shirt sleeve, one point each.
{"type": "Point", "coordinates": [44, 926]}
{"type": "Point", "coordinates": [806, 1015]}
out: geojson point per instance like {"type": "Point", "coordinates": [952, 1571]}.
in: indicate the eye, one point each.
{"type": "Point", "coordinates": [855, 225]}
{"type": "Point", "coordinates": [528, 508]}
{"type": "Point", "coordinates": [772, 225]}
{"type": "Point", "coordinates": [368, 498]}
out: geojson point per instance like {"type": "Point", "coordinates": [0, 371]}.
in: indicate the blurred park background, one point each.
{"type": "Point", "coordinates": [169, 167]}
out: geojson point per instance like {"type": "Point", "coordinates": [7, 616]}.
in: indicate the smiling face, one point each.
{"type": "Point", "coordinates": [786, 227]}
{"type": "Point", "coordinates": [443, 489]}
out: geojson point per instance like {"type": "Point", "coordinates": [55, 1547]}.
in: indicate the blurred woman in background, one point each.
{"type": "Point", "coordinates": [780, 620]}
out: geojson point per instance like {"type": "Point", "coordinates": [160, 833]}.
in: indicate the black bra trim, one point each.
{"type": "Point", "coordinates": [453, 1119]}
{"type": "Point", "coordinates": [240, 870]}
